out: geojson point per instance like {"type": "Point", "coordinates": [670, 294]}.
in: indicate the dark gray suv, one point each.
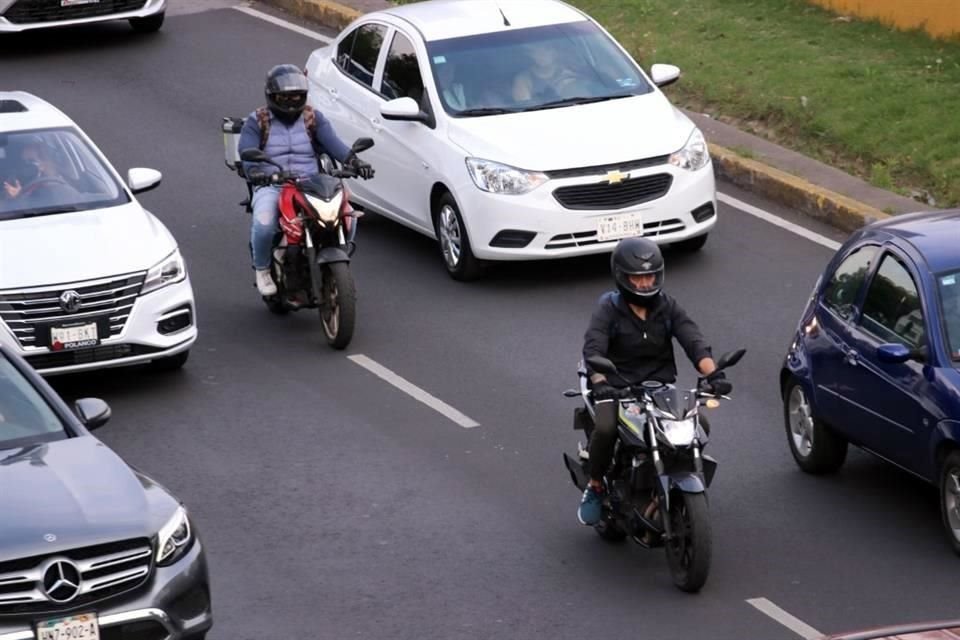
{"type": "Point", "coordinates": [90, 549]}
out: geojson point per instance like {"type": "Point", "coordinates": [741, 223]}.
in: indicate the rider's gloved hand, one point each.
{"type": "Point", "coordinates": [604, 391]}
{"type": "Point", "coordinates": [717, 384]}
{"type": "Point", "coordinates": [363, 169]}
{"type": "Point", "coordinates": [256, 176]}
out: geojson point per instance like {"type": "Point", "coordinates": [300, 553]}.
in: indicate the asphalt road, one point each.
{"type": "Point", "coordinates": [335, 506]}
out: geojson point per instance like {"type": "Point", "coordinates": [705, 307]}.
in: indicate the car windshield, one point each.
{"type": "Point", "coordinates": [949, 284]}
{"type": "Point", "coordinates": [25, 417]}
{"type": "Point", "coordinates": [50, 171]}
{"type": "Point", "coordinates": [530, 69]}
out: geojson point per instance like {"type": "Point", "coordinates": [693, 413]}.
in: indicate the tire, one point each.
{"type": "Point", "coordinates": [338, 284]}
{"type": "Point", "coordinates": [950, 498]}
{"type": "Point", "coordinates": [690, 549]}
{"type": "Point", "coordinates": [170, 363]}
{"type": "Point", "coordinates": [455, 247]}
{"type": "Point", "coordinates": [150, 24]}
{"type": "Point", "coordinates": [816, 448]}
{"type": "Point", "coordinates": [609, 530]}
{"type": "Point", "coordinates": [691, 245]}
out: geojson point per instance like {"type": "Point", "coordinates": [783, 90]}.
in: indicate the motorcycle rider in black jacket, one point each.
{"type": "Point", "coordinates": [634, 327]}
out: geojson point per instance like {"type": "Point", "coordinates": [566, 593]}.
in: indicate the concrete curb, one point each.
{"type": "Point", "coordinates": [786, 189]}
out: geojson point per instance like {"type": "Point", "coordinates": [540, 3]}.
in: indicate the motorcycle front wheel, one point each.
{"type": "Point", "coordinates": [338, 308]}
{"type": "Point", "coordinates": [690, 548]}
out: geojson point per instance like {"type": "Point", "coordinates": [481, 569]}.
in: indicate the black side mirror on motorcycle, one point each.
{"type": "Point", "coordinates": [730, 358]}
{"type": "Point", "coordinates": [361, 144]}
{"type": "Point", "coordinates": [602, 365]}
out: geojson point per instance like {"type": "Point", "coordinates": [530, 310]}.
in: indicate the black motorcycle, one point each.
{"type": "Point", "coordinates": [657, 483]}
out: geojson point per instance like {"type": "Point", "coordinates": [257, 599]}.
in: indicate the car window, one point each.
{"type": "Point", "coordinates": [949, 285]}
{"type": "Point", "coordinates": [25, 417]}
{"type": "Point", "coordinates": [364, 49]}
{"type": "Point", "coordinates": [530, 68]}
{"type": "Point", "coordinates": [892, 310]}
{"type": "Point", "coordinates": [842, 290]}
{"type": "Point", "coordinates": [401, 73]}
{"type": "Point", "coordinates": [50, 171]}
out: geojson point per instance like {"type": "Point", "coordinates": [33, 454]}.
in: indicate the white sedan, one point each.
{"type": "Point", "coordinates": [513, 131]}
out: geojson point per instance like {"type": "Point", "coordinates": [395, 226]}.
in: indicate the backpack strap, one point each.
{"type": "Point", "coordinates": [263, 121]}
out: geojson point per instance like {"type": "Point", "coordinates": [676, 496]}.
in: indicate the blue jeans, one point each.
{"type": "Point", "coordinates": [266, 213]}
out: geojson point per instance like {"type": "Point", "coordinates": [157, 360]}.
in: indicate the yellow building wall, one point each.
{"type": "Point", "coordinates": [941, 18]}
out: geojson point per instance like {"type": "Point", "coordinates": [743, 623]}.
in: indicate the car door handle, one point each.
{"type": "Point", "coordinates": [851, 358]}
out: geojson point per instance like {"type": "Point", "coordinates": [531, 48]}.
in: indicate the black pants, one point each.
{"type": "Point", "coordinates": [604, 437]}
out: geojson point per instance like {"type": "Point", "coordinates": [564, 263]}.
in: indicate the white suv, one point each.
{"type": "Point", "coordinates": [88, 277]}
{"type": "Point", "coordinates": [145, 16]}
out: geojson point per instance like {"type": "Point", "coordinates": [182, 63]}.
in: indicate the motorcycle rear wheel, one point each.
{"type": "Point", "coordinates": [689, 550]}
{"type": "Point", "coordinates": [338, 308]}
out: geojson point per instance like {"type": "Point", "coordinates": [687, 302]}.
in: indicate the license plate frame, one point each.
{"type": "Point", "coordinates": [80, 626]}
{"type": "Point", "coordinates": [74, 336]}
{"type": "Point", "coordinates": [619, 226]}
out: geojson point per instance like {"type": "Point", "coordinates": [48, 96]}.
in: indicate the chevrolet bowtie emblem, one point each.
{"type": "Point", "coordinates": [615, 177]}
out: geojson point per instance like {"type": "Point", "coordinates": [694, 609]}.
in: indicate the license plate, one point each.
{"type": "Point", "coordinates": [622, 226]}
{"type": "Point", "coordinates": [72, 3]}
{"type": "Point", "coordinates": [84, 335]}
{"type": "Point", "coordinates": [79, 627]}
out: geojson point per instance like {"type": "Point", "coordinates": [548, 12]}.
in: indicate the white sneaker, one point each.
{"type": "Point", "coordinates": [265, 284]}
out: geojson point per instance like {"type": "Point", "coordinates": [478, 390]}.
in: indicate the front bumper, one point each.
{"type": "Point", "coordinates": [559, 232]}
{"type": "Point", "coordinates": [152, 7]}
{"type": "Point", "coordinates": [174, 605]}
{"type": "Point", "coordinates": [138, 343]}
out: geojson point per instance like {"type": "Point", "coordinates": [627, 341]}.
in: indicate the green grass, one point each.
{"type": "Point", "coordinates": [879, 103]}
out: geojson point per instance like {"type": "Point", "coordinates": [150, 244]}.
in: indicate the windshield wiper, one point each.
{"type": "Point", "coordinates": [575, 100]}
{"type": "Point", "coordinates": [49, 211]}
{"type": "Point", "coordinates": [485, 111]}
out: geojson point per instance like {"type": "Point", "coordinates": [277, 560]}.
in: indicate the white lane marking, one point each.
{"type": "Point", "coordinates": [778, 221]}
{"type": "Point", "coordinates": [796, 625]}
{"type": "Point", "coordinates": [286, 25]}
{"type": "Point", "coordinates": [413, 391]}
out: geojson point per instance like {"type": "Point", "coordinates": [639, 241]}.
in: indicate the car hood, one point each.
{"type": "Point", "coordinates": [74, 493]}
{"type": "Point", "coordinates": [579, 136]}
{"type": "Point", "coordinates": [68, 247]}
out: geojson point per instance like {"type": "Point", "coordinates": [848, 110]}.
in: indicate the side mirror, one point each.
{"type": "Point", "coordinates": [730, 358]}
{"type": "Point", "coordinates": [253, 155]}
{"type": "Point", "coordinates": [405, 109]}
{"type": "Point", "coordinates": [93, 412]}
{"type": "Point", "coordinates": [361, 144]}
{"type": "Point", "coordinates": [664, 74]}
{"type": "Point", "coordinates": [602, 365]}
{"type": "Point", "coordinates": [141, 180]}
{"type": "Point", "coordinates": [893, 353]}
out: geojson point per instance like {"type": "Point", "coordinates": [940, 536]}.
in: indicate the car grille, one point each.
{"type": "Point", "coordinates": [104, 570]}
{"type": "Point", "coordinates": [31, 11]}
{"type": "Point", "coordinates": [27, 312]}
{"type": "Point", "coordinates": [75, 357]}
{"type": "Point", "coordinates": [603, 195]}
{"type": "Point", "coordinates": [587, 238]}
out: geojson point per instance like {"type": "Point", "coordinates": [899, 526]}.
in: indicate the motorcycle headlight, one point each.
{"type": "Point", "coordinates": [174, 538]}
{"type": "Point", "coordinates": [694, 155]}
{"type": "Point", "coordinates": [168, 271]}
{"type": "Point", "coordinates": [500, 178]}
{"type": "Point", "coordinates": [328, 212]}
{"type": "Point", "coordinates": [679, 433]}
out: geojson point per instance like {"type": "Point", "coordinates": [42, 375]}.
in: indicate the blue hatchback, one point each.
{"type": "Point", "coordinates": [876, 357]}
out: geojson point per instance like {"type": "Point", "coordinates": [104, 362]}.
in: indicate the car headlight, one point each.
{"type": "Point", "coordinates": [695, 154]}
{"type": "Point", "coordinates": [168, 271]}
{"type": "Point", "coordinates": [327, 211]}
{"type": "Point", "coordinates": [679, 433]}
{"type": "Point", "coordinates": [500, 178]}
{"type": "Point", "coordinates": [174, 538]}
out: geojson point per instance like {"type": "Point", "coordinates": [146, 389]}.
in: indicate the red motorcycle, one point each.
{"type": "Point", "coordinates": [312, 249]}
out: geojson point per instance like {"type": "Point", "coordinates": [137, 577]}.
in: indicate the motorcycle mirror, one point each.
{"type": "Point", "coordinates": [361, 144]}
{"type": "Point", "coordinates": [730, 358]}
{"type": "Point", "coordinates": [253, 155]}
{"type": "Point", "coordinates": [571, 393]}
{"type": "Point", "coordinates": [601, 365]}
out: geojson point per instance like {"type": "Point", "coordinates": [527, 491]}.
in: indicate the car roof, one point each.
{"type": "Point", "coordinates": [442, 19]}
{"type": "Point", "coordinates": [20, 110]}
{"type": "Point", "coordinates": [941, 630]}
{"type": "Point", "coordinates": [933, 233]}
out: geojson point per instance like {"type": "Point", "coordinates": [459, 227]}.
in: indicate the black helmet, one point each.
{"type": "Point", "coordinates": [637, 256]}
{"type": "Point", "coordinates": [286, 91]}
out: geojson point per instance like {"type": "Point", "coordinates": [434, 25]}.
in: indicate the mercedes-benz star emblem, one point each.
{"type": "Point", "coordinates": [61, 581]}
{"type": "Point", "coordinates": [50, 537]}
{"type": "Point", "coordinates": [70, 301]}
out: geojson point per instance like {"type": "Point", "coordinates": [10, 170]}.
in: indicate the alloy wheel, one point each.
{"type": "Point", "coordinates": [801, 422]}
{"type": "Point", "coordinates": [450, 240]}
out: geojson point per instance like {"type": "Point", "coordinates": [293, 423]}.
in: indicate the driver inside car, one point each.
{"type": "Point", "coordinates": [37, 176]}
{"type": "Point", "coordinates": [634, 327]}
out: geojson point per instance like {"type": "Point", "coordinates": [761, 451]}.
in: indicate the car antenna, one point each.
{"type": "Point", "coordinates": [506, 22]}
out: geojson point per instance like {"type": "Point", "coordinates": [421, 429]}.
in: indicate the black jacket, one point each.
{"type": "Point", "coordinates": [643, 349]}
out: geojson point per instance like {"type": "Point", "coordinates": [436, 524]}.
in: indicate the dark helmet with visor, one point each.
{"type": "Point", "coordinates": [637, 257]}
{"type": "Point", "coordinates": [286, 91]}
